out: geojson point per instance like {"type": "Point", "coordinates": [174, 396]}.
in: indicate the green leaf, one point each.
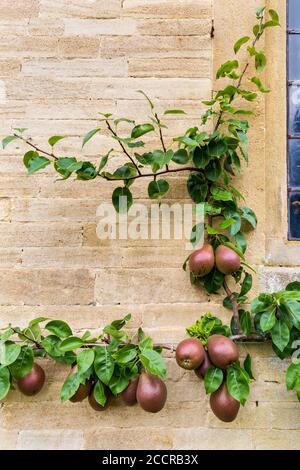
{"type": "Point", "coordinates": [55, 138]}
{"type": "Point", "coordinates": [248, 95]}
{"type": "Point", "coordinates": [118, 382]}
{"type": "Point", "coordinates": [245, 321]}
{"type": "Point", "coordinates": [84, 360]}
{"type": "Point", "coordinates": [71, 343]}
{"type": "Point", "coordinates": [181, 157]}
{"type": "Point", "coordinates": [217, 148]}
{"type": "Point", "coordinates": [70, 387]}
{"type": "Point", "coordinates": [4, 382]}
{"type": "Point", "coordinates": [247, 284]}
{"type": "Point", "coordinates": [153, 363]}
{"type": "Point", "coordinates": [200, 157]}
{"type": "Point", "coordinates": [67, 165]}
{"type": "Point", "coordinates": [197, 187]}
{"type": "Point", "coordinates": [293, 286]}
{"type": "Point", "coordinates": [293, 376]}
{"type": "Point", "coordinates": [126, 354]}
{"type": "Point", "coordinates": [293, 308]}
{"type": "Point", "coordinates": [125, 172]}
{"type": "Point", "coordinates": [119, 120]}
{"type": "Point", "coordinates": [268, 319]}
{"type": "Point", "coordinates": [259, 12]}
{"type": "Point", "coordinates": [213, 379]}
{"type": "Point", "coordinates": [23, 364]}
{"type": "Point", "coordinates": [89, 135]}
{"type": "Point", "coordinates": [141, 129]}
{"type": "Point", "coordinates": [35, 162]}
{"type": "Point", "coordinates": [241, 242]}
{"type": "Point", "coordinates": [51, 345]}
{"type": "Point", "coordinates": [20, 129]}
{"type": "Point", "coordinates": [104, 161]}
{"type": "Point", "coordinates": [213, 170]}
{"type": "Point", "coordinates": [213, 281]}
{"type": "Point", "coordinates": [7, 140]}
{"type": "Point", "coordinates": [146, 343]}
{"type": "Point", "coordinates": [7, 334]}
{"type": "Point", "coordinates": [248, 366]}
{"type": "Point", "coordinates": [226, 68]}
{"type": "Point", "coordinates": [260, 61]}
{"type": "Point", "coordinates": [174, 111]}
{"type": "Point", "coordinates": [240, 43]}
{"type": "Point", "coordinates": [220, 194]}
{"type": "Point", "coordinates": [103, 364]}
{"type": "Point", "coordinates": [99, 393]}
{"type": "Point", "coordinates": [59, 328]}
{"type": "Point", "coordinates": [249, 215]}
{"type": "Point", "coordinates": [122, 199]}
{"type": "Point", "coordinates": [157, 189]}
{"type": "Point", "coordinates": [274, 15]}
{"type": "Point", "coordinates": [9, 352]}
{"type": "Point", "coordinates": [259, 306]}
{"type": "Point", "coordinates": [187, 141]}
{"type": "Point", "coordinates": [87, 171]}
{"type": "Point", "coordinates": [259, 85]}
{"type": "Point", "coordinates": [226, 223]}
{"type": "Point", "coordinates": [37, 320]}
{"type": "Point", "coordinates": [118, 324]}
{"type": "Point", "coordinates": [147, 98]}
{"type": "Point", "coordinates": [280, 335]}
{"type": "Point", "coordinates": [212, 230]}
{"type": "Point", "coordinates": [237, 384]}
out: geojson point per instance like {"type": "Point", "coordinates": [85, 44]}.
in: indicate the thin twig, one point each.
{"type": "Point", "coordinates": [151, 175]}
{"type": "Point", "coordinates": [256, 39]}
{"type": "Point", "coordinates": [250, 338]}
{"type": "Point", "coordinates": [50, 154]}
{"type": "Point", "coordinates": [235, 307]}
{"type": "Point", "coordinates": [123, 147]}
{"type": "Point", "coordinates": [36, 343]}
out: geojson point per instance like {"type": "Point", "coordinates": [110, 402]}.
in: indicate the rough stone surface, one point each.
{"type": "Point", "coordinates": [61, 63]}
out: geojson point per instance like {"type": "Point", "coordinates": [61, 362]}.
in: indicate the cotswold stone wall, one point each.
{"type": "Point", "coordinates": [61, 63]}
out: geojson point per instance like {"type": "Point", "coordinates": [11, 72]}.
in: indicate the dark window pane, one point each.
{"type": "Point", "coordinates": [294, 56]}
{"type": "Point", "coordinates": [294, 215]}
{"type": "Point", "coordinates": [294, 163]}
{"type": "Point", "coordinates": [294, 110]}
{"type": "Point", "coordinates": [294, 14]}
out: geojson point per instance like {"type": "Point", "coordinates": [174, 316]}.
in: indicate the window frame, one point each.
{"type": "Point", "coordinates": [291, 189]}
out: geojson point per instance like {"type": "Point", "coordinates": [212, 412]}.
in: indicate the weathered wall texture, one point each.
{"type": "Point", "coordinates": [62, 62]}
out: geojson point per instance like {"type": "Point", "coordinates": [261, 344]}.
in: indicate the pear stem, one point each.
{"type": "Point", "coordinates": [235, 307]}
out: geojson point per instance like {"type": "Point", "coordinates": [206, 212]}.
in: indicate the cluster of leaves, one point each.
{"type": "Point", "coordinates": [109, 359]}
{"type": "Point", "coordinates": [237, 377]}
{"type": "Point", "coordinates": [277, 316]}
{"type": "Point", "coordinates": [206, 326]}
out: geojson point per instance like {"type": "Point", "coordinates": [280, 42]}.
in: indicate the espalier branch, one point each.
{"type": "Point", "coordinates": [113, 364]}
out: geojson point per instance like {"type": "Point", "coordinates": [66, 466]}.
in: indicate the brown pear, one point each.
{"type": "Point", "coordinates": [93, 402]}
{"type": "Point", "coordinates": [227, 260]}
{"type": "Point", "coordinates": [151, 392]}
{"type": "Point", "coordinates": [223, 405]}
{"type": "Point", "coordinates": [202, 261]}
{"type": "Point", "coordinates": [32, 382]}
{"type": "Point", "coordinates": [129, 394]}
{"type": "Point", "coordinates": [222, 351]}
{"type": "Point", "coordinates": [206, 364]}
{"type": "Point", "coordinates": [82, 391]}
{"type": "Point", "coordinates": [190, 354]}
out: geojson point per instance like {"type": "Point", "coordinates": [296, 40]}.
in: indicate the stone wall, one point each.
{"type": "Point", "coordinates": [61, 63]}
